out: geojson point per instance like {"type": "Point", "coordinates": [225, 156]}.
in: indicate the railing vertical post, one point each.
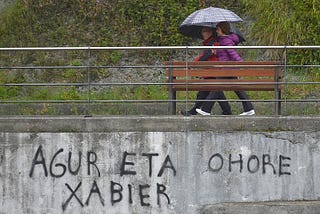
{"type": "Point", "coordinates": [172, 93]}
{"type": "Point", "coordinates": [88, 113]}
{"type": "Point", "coordinates": [284, 77]}
{"type": "Point", "coordinates": [187, 85]}
{"type": "Point", "coordinates": [277, 90]}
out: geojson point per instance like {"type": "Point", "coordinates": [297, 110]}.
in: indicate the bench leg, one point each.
{"type": "Point", "coordinates": [278, 103]}
{"type": "Point", "coordinates": [172, 103]}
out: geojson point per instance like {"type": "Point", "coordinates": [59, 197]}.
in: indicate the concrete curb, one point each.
{"type": "Point", "coordinates": [296, 207]}
{"type": "Point", "coordinates": [157, 123]}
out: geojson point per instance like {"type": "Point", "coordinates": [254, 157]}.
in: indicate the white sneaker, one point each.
{"type": "Point", "coordinates": [252, 112]}
{"type": "Point", "coordinates": [202, 112]}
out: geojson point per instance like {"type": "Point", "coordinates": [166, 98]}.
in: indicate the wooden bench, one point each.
{"type": "Point", "coordinates": [226, 76]}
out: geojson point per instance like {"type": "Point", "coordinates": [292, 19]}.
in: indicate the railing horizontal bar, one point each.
{"type": "Point", "coordinates": [79, 67]}
{"type": "Point", "coordinates": [152, 66]}
{"type": "Point", "coordinates": [160, 84]}
{"type": "Point", "coordinates": [155, 48]}
{"type": "Point", "coordinates": [44, 84]}
{"type": "Point", "coordinates": [43, 67]}
{"type": "Point", "coordinates": [146, 101]}
{"type": "Point", "coordinates": [243, 83]}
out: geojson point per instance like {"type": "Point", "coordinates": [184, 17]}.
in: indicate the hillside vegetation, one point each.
{"type": "Point", "coordinates": [35, 23]}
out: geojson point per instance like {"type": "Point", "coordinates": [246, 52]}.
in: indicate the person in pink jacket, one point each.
{"type": "Point", "coordinates": [226, 38]}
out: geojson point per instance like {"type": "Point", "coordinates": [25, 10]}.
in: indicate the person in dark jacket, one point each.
{"type": "Point", "coordinates": [209, 39]}
{"type": "Point", "coordinates": [226, 38]}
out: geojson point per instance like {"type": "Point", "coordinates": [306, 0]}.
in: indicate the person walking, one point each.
{"type": "Point", "coordinates": [226, 38]}
{"type": "Point", "coordinates": [209, 38]}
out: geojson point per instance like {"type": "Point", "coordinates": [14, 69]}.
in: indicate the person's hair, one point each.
{"type": "Point", "coordinates": [206, 29]}
{"type": "Point", "coordinates": [213, 30]}
{"type": "Point", "coordinates": [225, 27]}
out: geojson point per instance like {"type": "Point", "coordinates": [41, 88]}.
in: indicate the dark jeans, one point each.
{"type": "Point", "coordinates": [207, 105]}
{"type": "Point", "coordinates": [218, 95]}
{"type": "Point", "coordinates": [247, 105]}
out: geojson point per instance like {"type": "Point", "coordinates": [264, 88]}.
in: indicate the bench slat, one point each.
{"type": "Point", "coordinates": [224, 81]}
{"type": "Point", "coordinates": [229, 84]}
{"type": "Point", "coordinates": [224, 73]}
{"type": "Point", "coordinates": [201, 63]}
{"type": "Point", "coordinates": [222, 88]}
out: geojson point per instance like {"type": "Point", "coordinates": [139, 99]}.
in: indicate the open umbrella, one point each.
{"type": "Point", "coordinates": [208, 17]}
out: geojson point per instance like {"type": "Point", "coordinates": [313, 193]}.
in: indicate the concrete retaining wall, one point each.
{"type": "Point", "coordinates": [159, 164]}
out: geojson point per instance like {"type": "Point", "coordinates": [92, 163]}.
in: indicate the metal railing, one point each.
{"type": "Point", "coordinates": [32, 78]}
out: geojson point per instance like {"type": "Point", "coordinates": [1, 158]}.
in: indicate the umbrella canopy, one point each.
{"type": "Point", "coordinates": [211, 15]}
{"type": "Point", "coordinates": [208, 17]}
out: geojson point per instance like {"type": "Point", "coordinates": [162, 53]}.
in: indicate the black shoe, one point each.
{"type": "Point", "coordinates": [184, 113]}
{"type": "Point", "coordinates": [227, 113]}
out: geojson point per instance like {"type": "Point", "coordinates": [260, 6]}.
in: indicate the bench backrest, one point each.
{"type": "Point", "coordinates": [215, 75]}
